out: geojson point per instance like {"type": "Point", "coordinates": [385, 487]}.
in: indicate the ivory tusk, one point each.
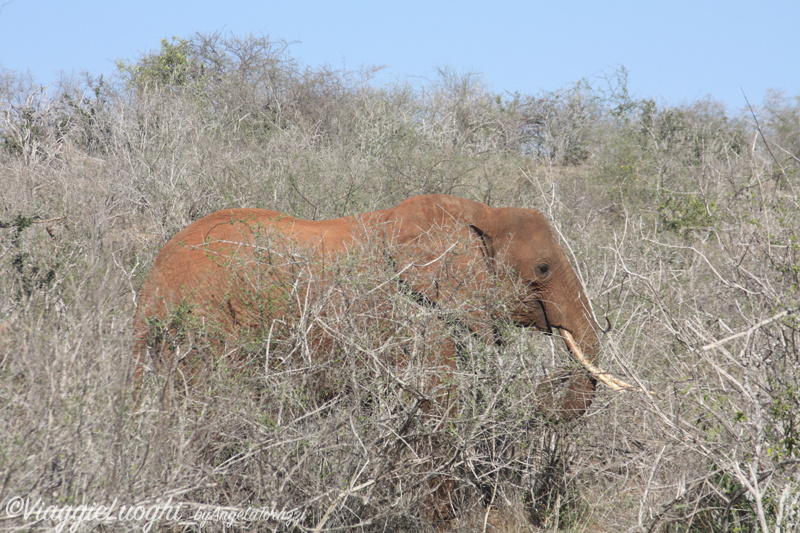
{"type": "Point", "coordinates": [609, 380]}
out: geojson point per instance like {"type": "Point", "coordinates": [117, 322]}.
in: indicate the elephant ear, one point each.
{"type": "Point", "coordinates": [444, 261]}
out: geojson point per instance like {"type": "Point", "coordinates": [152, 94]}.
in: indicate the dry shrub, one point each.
{"type": "Point", "coordinates": [355, 403]}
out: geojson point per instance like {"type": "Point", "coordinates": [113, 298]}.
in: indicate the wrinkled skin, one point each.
{"type": "Point", "coordinates": [442, 249]}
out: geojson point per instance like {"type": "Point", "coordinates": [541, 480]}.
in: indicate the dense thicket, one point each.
{"type": "Point", "coordinates": [682, 220]}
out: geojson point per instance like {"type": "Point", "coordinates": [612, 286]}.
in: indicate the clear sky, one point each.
{"type": "Point", "coordinates": [675, 51]}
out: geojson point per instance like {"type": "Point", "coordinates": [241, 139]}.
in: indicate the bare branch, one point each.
{"type": "Point", "coordinates": [751, 330]}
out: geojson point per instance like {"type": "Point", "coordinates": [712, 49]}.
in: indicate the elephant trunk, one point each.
{"type": "Point", "coordinates": [575, 321]}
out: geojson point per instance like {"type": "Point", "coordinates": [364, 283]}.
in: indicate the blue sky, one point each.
{"type": "Point", "coordinates": [675, 51]}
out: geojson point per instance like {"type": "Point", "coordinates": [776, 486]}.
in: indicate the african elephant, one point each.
{"type": "Point", "coordinates": [438, 248]}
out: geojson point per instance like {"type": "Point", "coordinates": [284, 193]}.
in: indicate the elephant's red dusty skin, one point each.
{"type": "Point", "coordinates": [244, 270]}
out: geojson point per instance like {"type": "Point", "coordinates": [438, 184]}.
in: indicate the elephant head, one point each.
{"type": "Point", "coordinates": [451, 247]}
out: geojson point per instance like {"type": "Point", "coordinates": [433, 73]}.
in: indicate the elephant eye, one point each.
{"type": "Point", "coordinates": [542, 270]}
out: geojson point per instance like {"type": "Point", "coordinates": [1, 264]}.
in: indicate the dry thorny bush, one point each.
{"type": "Point", "coordinates": [360, 421]}
{"type": "Point", "coordinates": [682, 222]}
